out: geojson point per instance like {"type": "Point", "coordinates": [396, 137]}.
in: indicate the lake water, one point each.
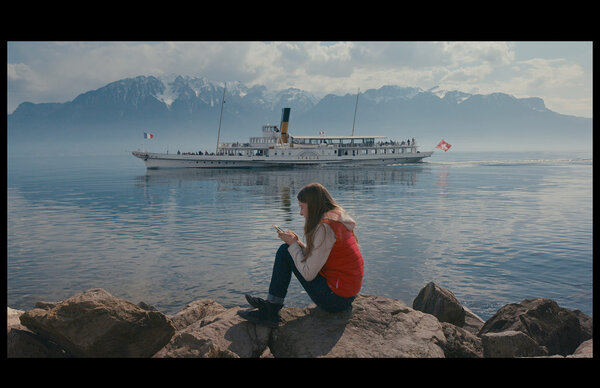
{"type": "Point", "coordinates": [494, 228]}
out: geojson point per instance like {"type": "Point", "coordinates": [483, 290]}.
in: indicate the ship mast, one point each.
{"type": "Point", "coordinates": [355, 107]}
{"type": "Point", "coordinates": [220, 117]}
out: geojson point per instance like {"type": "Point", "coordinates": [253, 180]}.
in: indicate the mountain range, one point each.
{"type": "Point", "coordinates": [183, 113]}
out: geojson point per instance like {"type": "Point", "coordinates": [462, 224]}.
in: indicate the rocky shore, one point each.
{"type": "Point", "coordinates": [97, 324]}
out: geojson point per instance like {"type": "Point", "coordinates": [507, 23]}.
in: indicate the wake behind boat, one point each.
{"type": "Point", "coordinates": [277, 147]}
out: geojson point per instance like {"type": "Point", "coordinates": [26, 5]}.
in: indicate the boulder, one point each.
{"type": "Point", "coordinates": [376, 327]}
{"type": "Point", "coordinates": [510, 344]}
{"type": "Point", "coordinates": [223, 334]}
{"type": "Point", "coordinates": [22, 343]}
{"type": "Point", "coordinates": [196, 311]}
{"type": "Point", "coordinates": [461, 343]}
{"type": "Point", "coordinates": [393, 329]}
{"type": "Point", "coordinates": [586, 322]}
{"type": "Point", "coordinates": [97, 324]}
{"type": "Point", "coordinates": [441, 303]}
{"type": "Point", "coordinates": [585, 350]}
{"type": "Point", "coordinates": [12, 319]}
{"type": "Point", "coordinates": [473, 323]}
{"type": "Point", "coordinates": [558, 329]}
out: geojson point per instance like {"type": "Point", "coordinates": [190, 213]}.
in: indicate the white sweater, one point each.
{"type": "Point", "coordinates": [324, 238]}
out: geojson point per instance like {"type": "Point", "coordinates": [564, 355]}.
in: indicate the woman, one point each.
{"type": "Point", "coordinates": [329, 266]}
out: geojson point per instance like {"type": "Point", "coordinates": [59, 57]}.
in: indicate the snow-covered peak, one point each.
{"type": "Point", "coordinates": [236, 88]}
{"type": "Point", "coordinates": [190, 92]}
{"type": "Point", "coordinates": [441, 93]}
{"type": "Point", "coordinates": [295, 95]}
{"type": "Point", "coordinates": [210, 92]}
{"type": "Point", "coordinates": [390, 93]}
{"type": "Point", "coordinates": [454, 95]}
{"type": "Point", "coordinates": [177, 85]}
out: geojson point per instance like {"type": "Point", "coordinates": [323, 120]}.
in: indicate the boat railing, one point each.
{"type": "Point", "coordinates": [231, 147]}
{"type": "Point", "coordinates": [378, 145]}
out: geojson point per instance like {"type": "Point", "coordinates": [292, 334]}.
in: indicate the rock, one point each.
{"type": "Point", "coordinates": [585, 350]}
{"type": "Point", "coordinates": [394, 330]}
{"type": "Point", "coordinates": [473, 323]}
{"type": "Point", "coordinates": [586, 322]}
{"type": "Point", "coordinates": [225, 334]}
{"type": "Point", "coordinates": [25, 344]}
{"type": "Point", "coordinates": [96, 324]}
{"type": "Point", "coordinates": [267, 354]}
{"type": "Point", "coordinates": [196, 311]}
{"type": "Point", "coordinates": [22, 343]}
{"type": "Point", "coordinates": [45, 305]}
{"type": "Point", "coordinates": [146, 306]}
{"type": "Point", "coordinates": [441, 303]}
{"type": "Point", "coordinates": [12, 319]}
{"type": "Point", "coordinates": [511, 344]}
{"type": "Point", "coordinates": [461, 343]}
{"type": "Point", "coordinates": [558, 329]}
{"type": "Point", "coordinates": [376, 327]}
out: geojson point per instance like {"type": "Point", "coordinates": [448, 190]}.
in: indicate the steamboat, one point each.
{"type": "Point", "coordinates": [276, 147]}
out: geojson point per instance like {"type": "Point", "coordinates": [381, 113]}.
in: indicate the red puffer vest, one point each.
{"type": "Point", "coordinates": [344, 268]}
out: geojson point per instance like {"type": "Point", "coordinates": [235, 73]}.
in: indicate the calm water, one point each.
{"type": "Point", "coordinates": [493, 228]}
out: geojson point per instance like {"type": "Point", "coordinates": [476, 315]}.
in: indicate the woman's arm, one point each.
{"type": "Point", "coordinates": [324, 238]}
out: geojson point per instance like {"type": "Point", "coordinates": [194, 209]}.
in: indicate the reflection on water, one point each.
{"type": "Point", "coordinates": [332, 177]}
{"type": "Point", "coordinates": [283, 184]}
{"type": "Point", "coordinates": [491, 232]}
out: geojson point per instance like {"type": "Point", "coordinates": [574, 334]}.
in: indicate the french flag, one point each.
{"type": "Point", "coordinates": [148, 135]}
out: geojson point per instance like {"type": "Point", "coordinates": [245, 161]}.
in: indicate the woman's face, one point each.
{"type": "Point", "coordinates": [303, 209]}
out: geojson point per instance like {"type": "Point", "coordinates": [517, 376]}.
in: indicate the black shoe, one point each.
{"type": "Point", "coordinates": [255, 301]}
{"type": "Point", "coordinates": [267, 313]}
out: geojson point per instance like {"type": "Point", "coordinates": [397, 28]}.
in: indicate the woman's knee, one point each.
{"type": "Point", "coordinates": [283, 255]}
{"type": "Point", "coordinates": [283, 248]}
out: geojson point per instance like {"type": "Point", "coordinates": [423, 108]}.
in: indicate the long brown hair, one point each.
{"type": "Point", "coordinates": [319, 202]}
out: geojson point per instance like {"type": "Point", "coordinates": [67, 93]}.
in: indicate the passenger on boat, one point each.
{"type": "Point", "coordinates": [329, 266]}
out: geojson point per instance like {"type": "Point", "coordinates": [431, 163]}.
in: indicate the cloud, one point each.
{"type": "Point", "coordinates": [565, 86]}
{"type": "Point", "coordinates": [19, 71]}
{"type": "Point", "coordinates": [459, 77]}
{"type": "Point", "coordinates": [22, 75]}
{"type": "Point", "coordinates": [59, 71]}
{"type": "Point", "coordinates": [493, 53]}
{"type": "Point", "coordinates": [548, 74]}
{"type": "Point", "coordinates": [23, 82]}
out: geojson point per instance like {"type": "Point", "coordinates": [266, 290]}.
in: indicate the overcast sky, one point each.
{"type": "Point", "coordinates": [558, 72]}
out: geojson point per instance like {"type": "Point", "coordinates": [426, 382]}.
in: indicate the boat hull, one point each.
{"type": "Point", "coordinates": [155, 160]}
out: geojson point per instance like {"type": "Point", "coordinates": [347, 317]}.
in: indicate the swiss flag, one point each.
{"type": "Point", "coordinates": [444, 146]}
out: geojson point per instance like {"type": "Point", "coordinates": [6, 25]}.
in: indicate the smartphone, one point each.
{"type": "Point", "coordinates": [278, 228]}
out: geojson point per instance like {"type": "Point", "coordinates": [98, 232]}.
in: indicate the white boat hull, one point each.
{"type": "Point", "coordinates": [278, 148]}
{"type": "Point", "coordinates": [155, 160]}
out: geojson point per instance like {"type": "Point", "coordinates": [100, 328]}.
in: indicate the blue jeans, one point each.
{"type": "Point", "coordinates": [317, 289]}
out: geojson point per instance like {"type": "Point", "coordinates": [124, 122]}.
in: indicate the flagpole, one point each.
{"type": "Point", "coordinates": [355, 107]}
{"type": "Point", "coordinates": [220, 118]}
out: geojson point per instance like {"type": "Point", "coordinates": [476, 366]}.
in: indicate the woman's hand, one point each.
{"type": "Point", "coordinates": [288, 237]}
